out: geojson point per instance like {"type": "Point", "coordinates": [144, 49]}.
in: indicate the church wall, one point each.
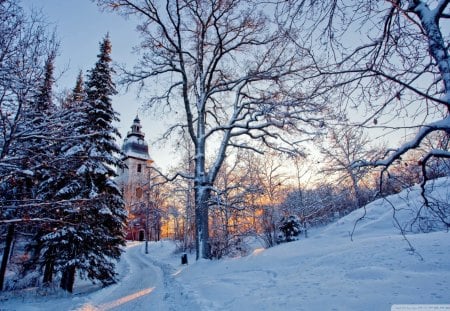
{"type": "Point", "coordinates": [134, 180]}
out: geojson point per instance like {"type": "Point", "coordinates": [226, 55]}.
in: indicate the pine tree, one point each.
{"type": "Point", "coordinates": [43, 155]}
{"type": "Point", "coordinates": [54, 245]}
{"type": "Point", "coordinates": [94, 217]}
{"type": "Point", "coordinates": [105, 211]}
{"type": "Point", "coordinates": [43, 114]}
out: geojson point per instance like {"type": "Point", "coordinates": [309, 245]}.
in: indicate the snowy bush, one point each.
{"type": "Point", "coordinates": [290, 229]}
{"type": "Point", "coordinates": [234, 246]}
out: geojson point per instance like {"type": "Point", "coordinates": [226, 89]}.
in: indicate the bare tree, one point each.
{"type": "Point", "coordinates": [230, 72]}
{"type": "Point", "coordinates": [25, 45]}
{"type": "Point", "coordinates": [388, 58]}
{"type": "Point", "coordinates": [344, 147]}
{"type": "Point", "coordinates": [182, 191]}
{"type": "Point", "coordinates": [229, 209]}
{"type": "Point", "coordinates": [268, 179]}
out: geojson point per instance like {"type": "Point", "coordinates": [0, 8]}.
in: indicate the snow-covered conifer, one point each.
{"type": "Point", "coordinates": [90, 215]}
{"type": "Point", "coordinates": [104, 216]}
{"type": "Point", "coordinates": [94, 230]}
{"type": "Point", "coordinates": [54, 245]}
{"type": "Point", "coordinates": [290, 229]}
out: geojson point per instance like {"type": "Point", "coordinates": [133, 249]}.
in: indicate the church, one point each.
{"type": "Point", "coordinates": [135, 183]}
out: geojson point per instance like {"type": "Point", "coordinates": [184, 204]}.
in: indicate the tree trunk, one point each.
{"type": "Point", "coordinates": [203, 249]}
{"type": "Point", "coordinates": [9, 240]}
{"type": "Point", "coordinates": [48, 268]}
{"type": "Point", "coordinates": [48, 273]}
{"type": "Point", "coordinates": [358, 198]}
{"type": "Point", "coordinates": [68, 279]}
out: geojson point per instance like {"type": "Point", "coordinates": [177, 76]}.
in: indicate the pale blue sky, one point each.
{"type": "Point", "coordinates": [80, 26]}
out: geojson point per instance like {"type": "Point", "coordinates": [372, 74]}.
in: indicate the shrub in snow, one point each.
{"type": "Point", "coordinates": [233, 246]}
{"type": "Point", "coordinates": [290, 228]}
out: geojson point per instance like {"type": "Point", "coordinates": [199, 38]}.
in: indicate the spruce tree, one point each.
{"type": "Point", "coordinates": [37, 134]}
{"type": "Point", "coordinates": [71, 236]}
{"type": "Point", "coordinates": [55, 245]}
{"type": "Point", "coordinates": [90, 206]}
{"type": "Point", "coordinates": [93, 231]}
{"type": "Point", "coordinates": [106, 210]}
{"type": "Point", "coordinates": [44, 113]}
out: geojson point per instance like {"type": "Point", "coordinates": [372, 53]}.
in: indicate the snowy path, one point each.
{"type": "Point", "coordinates": [148, 284]}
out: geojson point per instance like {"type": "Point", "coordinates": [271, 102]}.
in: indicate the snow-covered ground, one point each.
{"type": "Point", "coordinates": [326, 271]}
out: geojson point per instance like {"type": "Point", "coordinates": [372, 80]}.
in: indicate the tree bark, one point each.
{"type": "Point", "coordinates": [203, 248]}
{"type": "Point", "coordinates": [9, 240]}
{"type": "Point", "coordinates": [48, 269]}
{"type": "Point", "coordinates": [68, 279]}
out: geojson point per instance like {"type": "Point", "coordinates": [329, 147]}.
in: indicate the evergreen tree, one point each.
{"type": "Point", "coordinates": [92, 209]}
{"type": "Point", "coordinates": [70, 237]}
{"type": "Point", "coordinates": [42, 151]}
{"type": "Point", "coordinates": [44, 101]}
{"type": "Point", "coordinates": [92, 231]}
{"type": "Point", "coordinates": [36, 146]}
{"type": "Point", "coordinates": [78, 94]}
{"type": "Point", "coordinates": [105, 211]}
{"type": "Point", "coordinates": [89, 208]}
{"type": "Point", "coordinates": [290, 228]}
{"type": "Point", "coordinates": [55, 245]}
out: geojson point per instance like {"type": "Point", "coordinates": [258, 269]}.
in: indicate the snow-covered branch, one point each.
{"type": "Point", "coordinates": [31, 220]}
{"type": "Point", "coordinates": [442, 125]}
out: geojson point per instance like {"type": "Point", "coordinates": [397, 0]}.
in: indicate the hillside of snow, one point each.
{"type": "Point", "coordinates": [329, 271]}
{"type": "Point", "coordinates": [326, 271]}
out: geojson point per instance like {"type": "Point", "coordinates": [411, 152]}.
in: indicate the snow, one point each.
{"type": "Point", "coordinates": [74, 150]}
{"type": "Point", "coordinates": [326, 271]}
{"type": "Point", "coordinates": [138, 155]}
{"type": "Point", "coordinates": [82, 170]}
{"type": "Point", "coordinates": [105, 211]}
{"type": "Point", "coordinates": [425, 130]}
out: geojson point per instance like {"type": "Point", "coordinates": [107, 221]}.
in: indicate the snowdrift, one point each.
{"type": "Point", "coordinates": [329, 271]}
{"type": "Point", "coordinates": [376, 269]}
{"type": "Point", "coordinates": [404, 212]}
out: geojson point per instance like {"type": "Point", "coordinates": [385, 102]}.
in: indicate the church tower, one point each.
{"type": "Point", "coordinates": [134, 179]}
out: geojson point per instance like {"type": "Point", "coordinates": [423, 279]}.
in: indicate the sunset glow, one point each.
{"type": "Point", "coordinates": [117, 302]}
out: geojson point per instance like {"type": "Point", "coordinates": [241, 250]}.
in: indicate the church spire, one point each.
{"type": "Point", "coordinates": [136, 128]}
{"type": "Point", "coordinates": [134, 144]}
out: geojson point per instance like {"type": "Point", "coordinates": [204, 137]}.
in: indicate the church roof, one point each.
{"type": "Point", "coordinates": [134, 144]}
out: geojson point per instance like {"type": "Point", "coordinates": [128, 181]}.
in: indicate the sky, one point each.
{"type": "Point", "coordinates": [80, 26]}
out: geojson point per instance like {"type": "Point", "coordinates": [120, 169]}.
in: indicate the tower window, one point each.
{"type": "Point", "coordinates": [139, 168]}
